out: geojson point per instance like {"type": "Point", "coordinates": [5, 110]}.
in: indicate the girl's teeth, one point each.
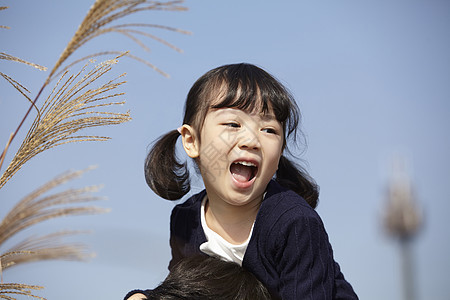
{"type": "Point", "coordinates": [243, 171]}
{"type": "Point", "coordinates": [248, 164]}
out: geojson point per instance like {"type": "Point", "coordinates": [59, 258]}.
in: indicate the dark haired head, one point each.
{"type": "Point", "coordinates": [242, 86]}
{"type": "Point", "coordinates": [208, 278]}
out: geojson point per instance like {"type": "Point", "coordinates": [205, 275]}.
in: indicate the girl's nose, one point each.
{"type": "Point", "coordinates": [249, 141]}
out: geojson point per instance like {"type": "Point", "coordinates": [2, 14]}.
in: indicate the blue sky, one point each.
{"type": "Point", "coordinates": [371, 79]}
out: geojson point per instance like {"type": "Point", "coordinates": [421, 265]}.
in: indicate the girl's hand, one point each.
{"type": "Point", "coordinates": [137, 296]}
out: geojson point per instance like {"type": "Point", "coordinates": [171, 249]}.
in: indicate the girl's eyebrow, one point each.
{"type": "Point", "coordinates": [267, 117]}
{"type": "Point", "coordinates": [227, 111]}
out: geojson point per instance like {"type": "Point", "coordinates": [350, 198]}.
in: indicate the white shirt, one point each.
{"type": "Point", "coordinates": [217, 246]}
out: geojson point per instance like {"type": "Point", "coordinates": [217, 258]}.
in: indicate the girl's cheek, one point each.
{"type": "Point", "coordinates": [212, 157]}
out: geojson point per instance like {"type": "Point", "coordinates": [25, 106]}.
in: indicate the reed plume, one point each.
{"type": "Point", "coordinates": [73, 105]}
{"type": "Point", "coordinates": [35, 208]}
{"type": "Point", "coordinates": [103, 12]}
{"type": "Point", "coordinates": [97, 23]}
{"type": "Point", "coordinates": [8, 290]}
{"type": "Point", "coordinates": [77, 102]}
{"type": "Point", "coordinates": [38, 207]}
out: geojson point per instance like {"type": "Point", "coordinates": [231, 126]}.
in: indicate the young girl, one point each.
{"type": "Point", "coordinates": [257, 208]}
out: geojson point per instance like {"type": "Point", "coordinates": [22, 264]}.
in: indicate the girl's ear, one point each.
{"type": "Point", "coordinates": [190, 141]}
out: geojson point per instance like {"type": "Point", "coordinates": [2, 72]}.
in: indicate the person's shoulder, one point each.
{"type": "Point", "coordinates": [185, 217]}
{"type": "Point", "coordinates": [280, 201]}
{"type": "Point", "coordinates": [189, 206]}
{"type": "Point", "coordinates": [284, 212]}
{"type": "Point", "coordinates": [193, 201]}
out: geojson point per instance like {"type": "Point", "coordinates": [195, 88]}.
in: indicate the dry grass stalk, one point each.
{"type": "Point", "coordinates": [17, 85]}
{"type": "Point", "coordinates": [16, 59]}
{"type": "Point", "coordinates": [36, 208]}
{"type": "Point", "coordinates": [102, 13]}
{"type": "Point", "coordinates": [3, 26]}
{"type": "Point", "coordinates": [6, 262]}
{"type": "Point", "coordinates": [48, 247]}
{"type": "Point", "coordinates": [72, 106]}
{"type": "Point", "coordinates": [127, 54]}
{"type": "Point", "coordinates": [22, 89]}
{"type": "Point", "coordinates": [2, 157]}
{"type": "Point", "coordinates": [99, 16]}
{"type": "Point", "coordinates": [8, 290]}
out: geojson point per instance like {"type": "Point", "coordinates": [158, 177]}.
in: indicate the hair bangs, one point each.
{"type": "Point", "coordinates": [245, 96]}
{"type": "Point", "coordinates": [251, 89]}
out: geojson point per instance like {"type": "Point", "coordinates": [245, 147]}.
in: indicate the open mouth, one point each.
{"type": "Point", "coordinates": [243, 171]}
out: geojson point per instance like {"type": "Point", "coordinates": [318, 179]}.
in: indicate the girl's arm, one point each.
{"type": "Point", "coordinates": [306, 265]}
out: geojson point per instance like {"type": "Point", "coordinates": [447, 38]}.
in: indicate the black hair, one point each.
{"type": "Point", "coordinates": [243, 86]}
{"type": "Point", "coordinates": [208, 278]}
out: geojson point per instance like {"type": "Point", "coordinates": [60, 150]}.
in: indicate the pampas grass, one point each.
{"type": "Point", "coordinates": [78, 101]}
{"type": "Point", "coordinates": [73, 105]}
{"type": "Point", "coordinates": [97, 23]}
{"type": "Point", "coordinates": [8, 290]}
{"type": "Point", "coordinates": [103, 12]}
{"type": "Point", "coordinates": [38, 207]}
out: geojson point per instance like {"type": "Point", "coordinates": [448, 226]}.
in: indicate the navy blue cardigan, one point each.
{"type": "Point", "coordinates": [288, 251]}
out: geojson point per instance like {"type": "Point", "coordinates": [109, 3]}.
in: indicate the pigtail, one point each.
{"type": "Point", "coordinates": [296, 179]}
{"type": "Point", "coordinates": [164, 174]}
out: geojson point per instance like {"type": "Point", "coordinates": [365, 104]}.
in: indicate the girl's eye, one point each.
{"type": "Point", "coordinates": [233, 125]}
{"type": "Point", "coordinates": [269, 130]}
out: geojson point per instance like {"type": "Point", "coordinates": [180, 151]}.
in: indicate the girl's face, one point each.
{"type": "Point", "coordinates": [238, 154]}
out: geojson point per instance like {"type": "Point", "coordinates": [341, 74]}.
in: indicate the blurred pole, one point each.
{"type": "Point", "coordinates": [407, 270]}
{"type": "Point", "coordinates": [402, 221]}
